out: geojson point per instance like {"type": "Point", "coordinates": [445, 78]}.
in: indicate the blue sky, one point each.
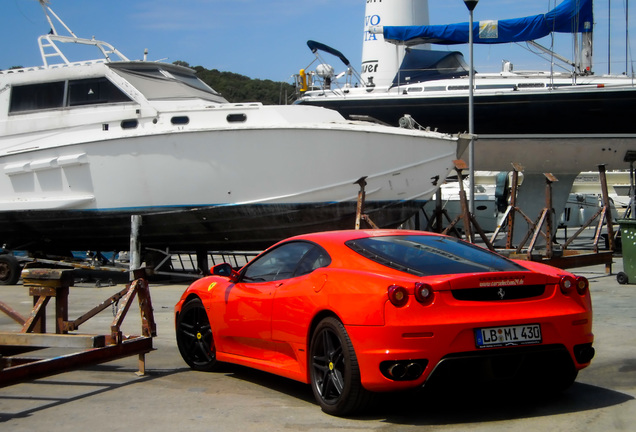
{"type": "Point", "coordinates": [266, 38]}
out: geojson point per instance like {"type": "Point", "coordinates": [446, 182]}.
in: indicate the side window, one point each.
{"type": "Point", "coordinates": [37, 97]}
{"type": "Point", "coordinates": [34, 97]}
{"type": "Point", "coordinates": [315, 258]}
{"type": "Point", "coordinates": [94, 91]}
{"type": "Point", "coordinates": [286, 261]}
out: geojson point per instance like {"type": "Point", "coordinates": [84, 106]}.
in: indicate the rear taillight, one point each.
{"type": "Point", "coordinates": [424, 293]}
{"type": "Point", "coordinates": [582, 285]}
{"type": "Point", "coordinates": [398, 295]}
{"type": "Point", "coordinates": [567, 284]}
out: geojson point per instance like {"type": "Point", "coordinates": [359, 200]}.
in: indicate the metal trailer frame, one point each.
{"type": "Point", "coordinates": [47, 283]}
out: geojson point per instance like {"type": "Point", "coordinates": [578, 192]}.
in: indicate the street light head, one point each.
{"type": "Point", "coordinates": [471, 4]}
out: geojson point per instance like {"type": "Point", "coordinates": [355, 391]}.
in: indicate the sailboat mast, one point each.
{"type": "Point", "coordinates": [586, 52]}
{"type": "Point", "coordinates": [584, 63]}
{"type": "Point", "coordinates": [609, 37]}
{"type": "Point", "coordinates": [626, 37]}
{"type": "Point", "coordinates": [380, 60]}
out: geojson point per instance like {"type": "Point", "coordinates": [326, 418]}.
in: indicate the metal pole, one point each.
{"type": "Point", "coordinates": [632, 192]}
{"type": "Point", "coordinates": [609, 36]}
{"type": "Point", "coordinates": [135, 246]}
{"type": "Point", "coordinates": [471, 120]}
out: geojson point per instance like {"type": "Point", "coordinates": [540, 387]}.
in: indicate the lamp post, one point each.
{"type": "Point", "coordinates": [471, 4]}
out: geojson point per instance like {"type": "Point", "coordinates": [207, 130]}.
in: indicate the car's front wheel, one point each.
{"type": "Point", "coordinates": [335, 375]}
{"type": "Point", "coordinates": [194, 337]}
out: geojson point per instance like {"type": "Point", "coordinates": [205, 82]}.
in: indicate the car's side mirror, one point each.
{"type": "Point", "coordinates": [226, 270]}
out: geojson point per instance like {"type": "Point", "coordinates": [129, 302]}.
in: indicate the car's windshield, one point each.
{"type": "Point", "coordinates": [424, 255]}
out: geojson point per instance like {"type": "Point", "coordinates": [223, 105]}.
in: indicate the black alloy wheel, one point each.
{"type": "Point", "coordinates": [194, 337]}
{"type": "Point", "coordinates": [335, 375]}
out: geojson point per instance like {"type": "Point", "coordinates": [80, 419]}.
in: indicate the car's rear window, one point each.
{"type": "Point", "coordinates": [431, 255]}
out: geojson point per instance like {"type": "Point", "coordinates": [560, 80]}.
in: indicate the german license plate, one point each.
{"type": "Point", "coordinates": [508, 336]}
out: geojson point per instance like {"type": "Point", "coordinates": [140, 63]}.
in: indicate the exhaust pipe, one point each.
{"type": "Point", "coordinates": [584, 353]}
{"type": "Point", "coordinates": [397, 371]}
{"type": "Point", "coordinates": [414, 370]}
{"type": "Point", "coordinates": [403, 370]}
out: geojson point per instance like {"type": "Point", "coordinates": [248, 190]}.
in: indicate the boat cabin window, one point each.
{"type": "Point", "coordinates": [129, 124]}
{"type": "Point", "coordinates": [60, 94]}
{"type": "Point", "coordinates": [236, 118]}
{"type": "Point", "coordinates": [180, 120]}
{"type": "Point", "coordinates": [531, 85]}
{"type": "Point", "coordinates": [94, 91]}
{"type": "Point", "coordinates": [496, 86]}
{"type": "Point", "coordinates": [37, 96]}
{"type": "Point", "coordinates": [453, 65]}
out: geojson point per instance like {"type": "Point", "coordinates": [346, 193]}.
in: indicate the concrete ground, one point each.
{"type": "Point", "coordinates": [110, 397]}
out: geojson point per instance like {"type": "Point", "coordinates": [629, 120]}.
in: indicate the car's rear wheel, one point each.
{"type": "Point", "coordinates": [194, 337]}
{"type": "Point", "coordinates": [335, 375]}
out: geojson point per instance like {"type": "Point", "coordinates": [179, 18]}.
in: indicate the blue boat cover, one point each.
{"type": "Point", "coordinates": [571, 16]}
{"type": "Point", "coordinates": [426, 65]}
{"type": "Point", "coordinates": [315, 46]}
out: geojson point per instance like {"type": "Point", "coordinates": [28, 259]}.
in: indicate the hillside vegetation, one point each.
{"type": "Point", "coordinates": [239, 88]}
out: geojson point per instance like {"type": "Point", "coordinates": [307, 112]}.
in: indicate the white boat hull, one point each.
{"type": "Point", "coordinates": [234, 188]}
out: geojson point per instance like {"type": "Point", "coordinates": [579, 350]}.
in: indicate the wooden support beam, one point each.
{"type": "Point", "coordinates": [46, 340]}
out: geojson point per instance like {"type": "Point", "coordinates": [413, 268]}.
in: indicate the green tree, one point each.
{"type": "Point", "coordinates": [239, 88]}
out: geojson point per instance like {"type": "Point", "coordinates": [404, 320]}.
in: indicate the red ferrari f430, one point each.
{"type": "Point", "coordinates": [357, 312]}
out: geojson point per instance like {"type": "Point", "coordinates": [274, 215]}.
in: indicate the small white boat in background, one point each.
{"type": "Point", "coordinates": [86, 145]}
{"type": "Point", "coordinates": [492, 195]}
{"type": "Point", "coordinates": [618, 186]}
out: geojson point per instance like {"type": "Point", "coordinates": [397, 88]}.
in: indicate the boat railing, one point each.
{"type": "Point", "coordinates": [194, 264]}
{"type": "Point", "coordinates": [49, 49]}
{"type": "Point", "coordinates": [48, 43]}
{"type": "Point", "coordinates": [53, 66]}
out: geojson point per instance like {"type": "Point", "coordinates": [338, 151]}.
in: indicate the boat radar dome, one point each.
{"type": "Point", "coordinates": [325, 71]}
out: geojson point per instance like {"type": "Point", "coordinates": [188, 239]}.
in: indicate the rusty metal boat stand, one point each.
{"type": "Point", "coordinates": [561, 257]}
{"type": "Point", "coordinates": [360, 214]}
{"type": "Point", "coordinates": [47, 283]}
{"type": "Point", "coordinates": [470, 223]}
{"type": "Point", "coordinates": [551, 253]}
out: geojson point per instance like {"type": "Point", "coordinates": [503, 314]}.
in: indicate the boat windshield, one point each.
{"type": "Point", "coordinates": [159, 81]}
{"type": "Point", "coordinates": [427, 65]}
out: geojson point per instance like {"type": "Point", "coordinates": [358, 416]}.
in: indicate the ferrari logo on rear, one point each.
{"type": "Point", "coordinates": [501, 293]}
